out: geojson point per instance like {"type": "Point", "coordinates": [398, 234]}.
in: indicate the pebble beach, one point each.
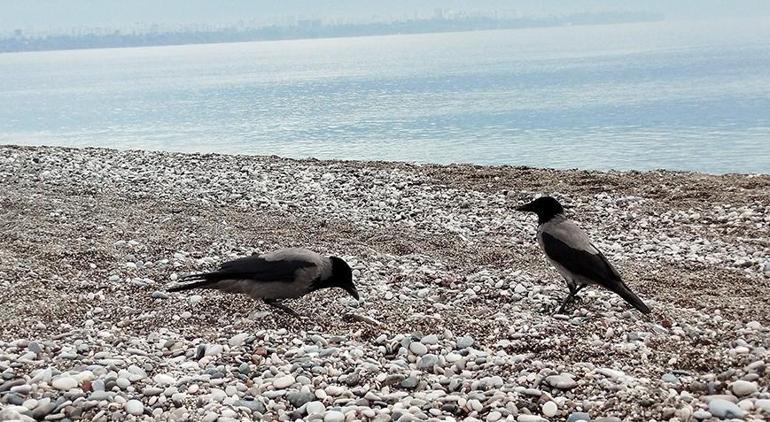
{"type": "Point", "coordinates": [455, 321]}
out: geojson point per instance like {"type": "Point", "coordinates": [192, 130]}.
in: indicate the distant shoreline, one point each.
{"type": "Point", "coordinates": [308, 30]}
{"type": "Point", "coordinates": [384, 163]}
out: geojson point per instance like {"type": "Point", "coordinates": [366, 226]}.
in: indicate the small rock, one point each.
{"type": "Point", "coordinates": [550, 409]}
{"type": "Point", "coordinates": [670, 378]}
{"type": "Point", "coordinates": [701, 414]}
{"type": "Point", "coordinates": [427, 362]}
{"type": "Point", "coordinates": [429, 339]}
{"type": "Point", "coordinates": [64, 383]}
{"type": "Point", "coordinates": [159, 295]}
{"type": "Point", "coordinates": [253, 405]}
{"type": "Point", "coordinates": [214, 350]}
{"type": "Point", "coordinates": [579, 416]}
{"type": "Point", "coordinates": [562, 382]}
{"type": "Point", "coordinates": [164, 379]}
{"type": "Point", "coordinates": [763, 404]}
{"type": "Point", "coordinates": [418, 348]}
{"type": "Point", "coordinates": [494, 416]}
{"type": "Point", "coordinates": [464, 342]}
{"type": "Point", "coordinates": [283, 382]}
{"type": "Point", "coordinates": [13, 399]}
{"type": "Point", "coordinates": [409, 382]}
{"type": "Point", "coordinates": [744, 388]}
{"type": "Point", "coordinates": [529, 418]}
{"type": "Point", "coordinates": [34, 347]}
{"type": "Point", "coordinates": [334, 416]}
{"type": "Point", "coordinates": [218, 395]}
{"type": "Point", "coordinates": [315, 408]}
{"type": "Point", "coordinates": [299, 398]}
{"type": "Point", "coordinates": [123, 383]}
{"type": "Point", "coordinates": [134, 407]}
{"type": "Point", "coordinates": [725, 409]}
{"type": "Point", "coordinates": [13, 383]}
{"type": "Point", "coordinates": [44, 407]}
{"type": "Point", "coordinates": [238, 339]}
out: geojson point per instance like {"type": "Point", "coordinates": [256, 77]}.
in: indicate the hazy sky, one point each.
{"type": "Point", "coordinates": [42, 14]}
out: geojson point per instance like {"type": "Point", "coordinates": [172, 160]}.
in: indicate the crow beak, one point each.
{"type": "Point", "coordinates": [525, 207]}
{"type": "Point", "coordinates": [353, 292]}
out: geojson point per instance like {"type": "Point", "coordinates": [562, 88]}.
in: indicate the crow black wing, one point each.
{"type": "Point", "coordinates": [593, 266]}
{"type": "Point", "coordinates": [259, 269]}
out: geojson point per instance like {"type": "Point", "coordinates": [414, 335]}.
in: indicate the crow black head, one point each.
{"type": "Point", "coordinates": [545, 207]}
{"type": "Point", "coordinates": [342, 276]}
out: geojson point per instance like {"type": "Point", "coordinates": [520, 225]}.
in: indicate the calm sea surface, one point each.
{"type": "Point", "coordinates": [692, 96]}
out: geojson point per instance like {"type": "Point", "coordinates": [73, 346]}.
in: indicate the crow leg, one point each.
{"type": "Point", "coordinates": [577, 290]}
{"type": "Point", "coordinates": [565, 302]}
{"type": "Point", "coordinates": [276, 304]}
{"type": "Point", "coordinates": [573, 291]}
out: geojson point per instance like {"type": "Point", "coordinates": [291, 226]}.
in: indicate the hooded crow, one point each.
{"type": "Point", "coordinates": [282, 274]}
{"type": "Point", "coordinates": [569, 249]}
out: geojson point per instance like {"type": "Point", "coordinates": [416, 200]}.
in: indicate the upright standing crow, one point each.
{"type": "Point", "coordinates": [568, 249]}
{"type": "Point", "coordinates": [283, 274]}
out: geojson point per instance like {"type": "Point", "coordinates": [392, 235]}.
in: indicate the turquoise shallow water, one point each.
{"type": "Point", "coordinates": [692, 96]}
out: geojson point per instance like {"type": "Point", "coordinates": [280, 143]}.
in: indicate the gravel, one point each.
{"type": "Point", "coordinates": [93, 237]}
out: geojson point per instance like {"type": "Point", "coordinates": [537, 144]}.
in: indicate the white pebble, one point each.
{"type": "Point", "coordinates": [64, 383]}
{"type": "Point", "coordinates": [744, 388]}
{"type": "Point", "coordinates": [315, 408]}
{"type": "Point", "coordinates": [334, 416]}
{"type": "Point", "coordinates": [164, 379]}
{"type": "Point", "coordinates": [283, 382]}
{"type": "Point", "coordinates": [134, 407]}
{"type": "Point", "coordinates": [550, 409]}
{"type": "Point", "coordinates": [418, 348]}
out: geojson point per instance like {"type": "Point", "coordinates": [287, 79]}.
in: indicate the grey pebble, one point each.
{"type": "Point", "coordinates": [410, 382]}
{"type": "Point", "coordinates": [299, 398]}
{"type": "Point", "coordinates": [579, 416]}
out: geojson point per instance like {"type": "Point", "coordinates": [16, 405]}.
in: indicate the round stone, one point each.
{"type": "Point", "coordinates": [579, 416]}
{"type": "Point", "coordinates": [64, 383]}
{"type": "Point", "coordinates": [217, 394]}
{"type": "Point", "coordinates": [464, 342]}
{"type": "Point", "coordinates": [529, 418]}
{"type": "Point", "coordinates": [134, 407]}
{"type": "Point", "coordinates": [427, 362]}
{"type": "Point", "coordinates": [283, 382]}
{"type": "Point", "coordinates": [238, 339]}
{"type": "Point", "coordinates": [744, 388]}
{"type": "Point", "coordinates": [763, 404]}
{"type": "Point", "coordinates": [164, 379]}
{"type": "Point", "coordinates": [550, 409]}
{"type": "Point", "coordinates": [298, 398]}
{"type": "Point", "coordinates": [562, 382]}
{"type": "Point", "coordinates": [334, 416]}
{"type": "Point", "coordinates": [701, 414]}
{"type": "Point", "coordinates": [409, 382]}
{"type": "Point", "coordinates": [315, 408]}
{"type": "Point", "coordinates": [494, 416]}
{"type": "Point", "coordinates": [475, 405]}
{"type": "Point", "coordinates": [418, 348]}
{"type": "Point", "coordinates": [429, 339]}
{"type": "Point", "coordinates": [159, 295]}
{"type": "Point", "coordinates": [724, 409]}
